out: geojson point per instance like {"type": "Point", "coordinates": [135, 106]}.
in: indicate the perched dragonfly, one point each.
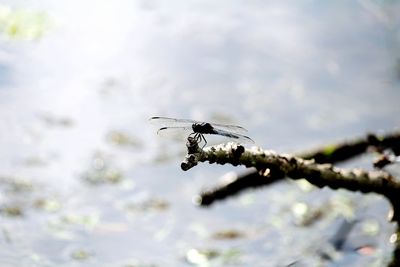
{"type": "Point", "coordinates": [199, 129]}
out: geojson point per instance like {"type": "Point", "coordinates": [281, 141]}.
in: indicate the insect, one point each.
{"type": "Point", "coordinates": [200, 128]}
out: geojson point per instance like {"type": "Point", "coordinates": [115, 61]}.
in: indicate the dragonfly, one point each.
{"type": "Point", "coordinates": [200, 128]}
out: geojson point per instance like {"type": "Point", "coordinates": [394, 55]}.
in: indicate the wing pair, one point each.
{"type": "Point", "coordinates": [230, 131]}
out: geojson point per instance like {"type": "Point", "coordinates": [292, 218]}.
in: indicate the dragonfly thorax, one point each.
{"type": "Point", "coordinates": [203, 128]}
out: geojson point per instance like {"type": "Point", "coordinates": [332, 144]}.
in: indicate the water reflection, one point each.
{"type": "Point", "coordinates": [85, 180]}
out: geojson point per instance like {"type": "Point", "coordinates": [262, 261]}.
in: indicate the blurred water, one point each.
{"type": "Point", "coordinates": [92, 185]}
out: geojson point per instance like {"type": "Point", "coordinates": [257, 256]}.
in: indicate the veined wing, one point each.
{"type": "Point", "coordinates": [171, 127]}
{"type": "Point", "coordinates": [164, 130]}
{"type": "Point", "coordinates": [228, 127]}
{"type": "Point", "coordinates": [171, 122]}
{"type": "Point", "coordinates": [235, 136]}
{"type": "Point", "coordinates": [177, 133]}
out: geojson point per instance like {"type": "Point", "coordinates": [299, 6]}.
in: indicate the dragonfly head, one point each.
{"type": "Point", "coordinates": [197, 127]}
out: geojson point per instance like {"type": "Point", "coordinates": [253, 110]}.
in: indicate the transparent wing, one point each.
{"type": "Point", "coordinates": [165, 130]}
{"type": "Point", "coordinates": [171, 122]}
{"type": "Point", "coordinates": [235, 136]}
{"type": "Point", "coordinates": [229, 128]}
{"type": "Point", "coordinates": [175, 133]}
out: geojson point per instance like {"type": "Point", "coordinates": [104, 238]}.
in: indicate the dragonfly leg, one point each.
{"type": "Point", "coordinates": [195, 136]}
{"type": "Point", "coordinates": [205, 141]}
{"type": "Point", "coordinates": [198, 137]}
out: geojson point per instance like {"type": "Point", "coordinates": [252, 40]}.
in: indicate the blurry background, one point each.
{"type": "Point", "coordinates": [85, 180]}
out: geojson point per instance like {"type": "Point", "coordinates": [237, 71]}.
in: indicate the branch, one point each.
{"type": "Point", "coordinates": [332, 153]}
{"type": "Point", "coordinates": [320, 175]}
{"type": "Point", "coordinates": [296, 168]}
